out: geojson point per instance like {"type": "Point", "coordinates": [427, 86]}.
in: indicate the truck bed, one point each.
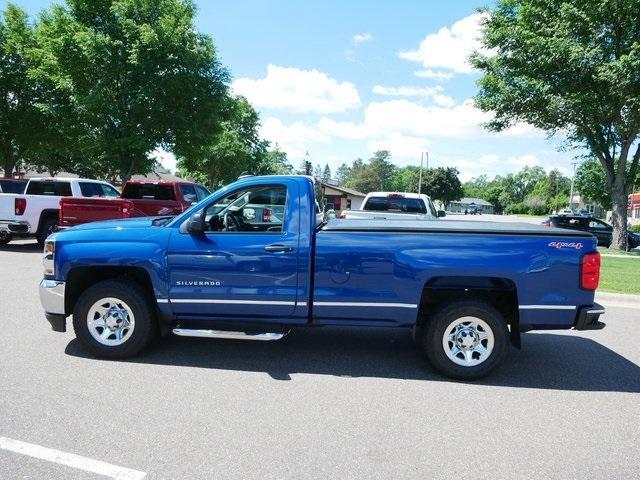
{"type": "Point", "coordinates": [450, 226]}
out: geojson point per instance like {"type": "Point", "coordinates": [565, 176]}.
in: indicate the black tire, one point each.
{"type": "Point", "coordinates": [136, 298]}
{"type": "Point", "coordinates": [435, 330]}
{"type": "Point", "coordinates": [5, 237]}
{"type": "Point", "coordinates": [48, 226]}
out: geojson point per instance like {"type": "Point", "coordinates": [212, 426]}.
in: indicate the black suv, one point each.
{"type": "Point", "coordinates": [601, 230]}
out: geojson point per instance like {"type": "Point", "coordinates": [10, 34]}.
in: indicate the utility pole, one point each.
{"type": "Point", "coordinates": [420, 176]}
{"type": "Point", "coordinates": [573, 179]}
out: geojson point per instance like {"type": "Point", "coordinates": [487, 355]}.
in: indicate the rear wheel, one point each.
{"type": "Point", "coordinates": [466, 340]}
{"type": "Point", "coordinates": [5, 237]}
{"type": "Point", "coordinates": [113, 319]}
{"type": "Point", "coordinates": [48, 226]}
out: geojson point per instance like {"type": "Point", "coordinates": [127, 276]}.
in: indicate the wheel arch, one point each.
{"type": "Point", "coordinates": [500, 292]}
{"type": "Point", "coordinates": [45, 215]}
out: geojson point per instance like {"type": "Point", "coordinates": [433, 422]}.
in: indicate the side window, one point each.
{"type": "Point", "coordinates": [257, 209]}
{"type": "Point", "coordinates": [90, 189]}
{"type": "Point", "coordinates": [109, 191]}
{"type": "Point", "coordinates": [596, 225]}
{"type": "Point", "coordinates": [202, 192]}
{"type": "Point", "coordinates": [188, 193]}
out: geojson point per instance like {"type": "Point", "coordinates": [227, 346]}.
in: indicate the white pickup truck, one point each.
{"type": "Point", "coordinates": [35, 212]}
{"type": "Point", "coordinates": [395, 206]}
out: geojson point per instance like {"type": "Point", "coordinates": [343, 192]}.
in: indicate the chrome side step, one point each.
{"type": "Point", "coordinates": [261, 337]}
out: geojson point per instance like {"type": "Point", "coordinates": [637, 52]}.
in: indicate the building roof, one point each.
{"type": "Point", "coordinates": [477, 201]}
{"type": "Point", "coordinates": [348, 191]}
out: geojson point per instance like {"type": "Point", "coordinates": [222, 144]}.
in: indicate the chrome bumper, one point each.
{"type": "Point", "coordinates": [52, 296]}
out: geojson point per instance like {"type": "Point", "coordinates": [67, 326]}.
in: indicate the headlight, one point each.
{"type": "Point", "coordinates": [48, 260]}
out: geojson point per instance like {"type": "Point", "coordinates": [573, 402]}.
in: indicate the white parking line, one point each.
{"type": "Point", "coordinates": [70, 460]}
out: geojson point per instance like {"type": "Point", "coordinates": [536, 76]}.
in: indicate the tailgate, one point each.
{"type": "Point", "coordinates": [77, 210]}
{"type": "Point", "coordinates": [7, 206]}
{"type": "Point", "coordinates": [148, 207]}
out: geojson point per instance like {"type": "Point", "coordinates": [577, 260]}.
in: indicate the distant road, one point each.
{"type": "Point", "coordinates": [494, 218]}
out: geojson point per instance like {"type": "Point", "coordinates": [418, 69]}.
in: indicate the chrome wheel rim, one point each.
{"type": "Point", "coordinates": [110, 321]}
{"type": "Point", "coordinates": [468, 341]}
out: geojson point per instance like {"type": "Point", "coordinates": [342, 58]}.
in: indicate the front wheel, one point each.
{"type": "Point", "coordinates": [466, 340]}
{"type": "Point", "coordinates": [114, 319]}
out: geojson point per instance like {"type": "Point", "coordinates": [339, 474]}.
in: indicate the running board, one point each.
{"type": "Point", "coordinates": [261, 337]}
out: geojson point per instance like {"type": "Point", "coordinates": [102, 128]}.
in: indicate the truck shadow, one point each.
{"type": "Point", "coordinates": [21, 247]}
{"type": "Point", "coordinates": [547, 361]}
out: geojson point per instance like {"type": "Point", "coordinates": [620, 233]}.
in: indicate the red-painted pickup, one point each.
{"type": "Point", "coordinates": [138, 199]}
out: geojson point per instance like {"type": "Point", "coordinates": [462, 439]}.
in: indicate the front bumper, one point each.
{"type": "Point", "coordinates": [588, 318]}
{"type": "Point", "coordinates": [52, 299]}
{"type": "Point", "coordinates": [14, 227]}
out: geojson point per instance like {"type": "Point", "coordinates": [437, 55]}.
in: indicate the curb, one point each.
{"type": "Point", "coordinates": [634, 257]}
{"type": "Point", "coordinates": [618, 300]}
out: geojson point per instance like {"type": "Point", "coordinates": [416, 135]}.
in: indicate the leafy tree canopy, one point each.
{"type": "Point", "coordinates": [569, 67]}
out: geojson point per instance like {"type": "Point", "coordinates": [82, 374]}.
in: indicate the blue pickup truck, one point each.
{"type": "Point", "coordinates": [255, 260]}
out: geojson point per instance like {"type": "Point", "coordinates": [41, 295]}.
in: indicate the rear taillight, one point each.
{"type": "Point", "coordinates": [266, 215]}
{"type": "Point", "coordinates": [21, 205]}
{"type": "Point", "coordinates": [546, 224]}
{"type": "Point", "coordinates": [590, 271]}
{"type": "Point", "coordinates": [127, 209]}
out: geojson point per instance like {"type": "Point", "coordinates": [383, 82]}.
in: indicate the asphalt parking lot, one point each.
{"type": "Point", "coordinates": [326, 403]}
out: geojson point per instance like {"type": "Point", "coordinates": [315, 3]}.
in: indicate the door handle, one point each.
{"type": "Point", "coordinates": [278, 248]}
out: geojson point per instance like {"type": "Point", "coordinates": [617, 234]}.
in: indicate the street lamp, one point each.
{"type": "Point", "coordinates": [420, 176]}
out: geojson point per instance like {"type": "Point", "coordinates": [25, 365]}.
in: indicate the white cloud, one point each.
{"type": "Point", "coordinates": [449, 48]}
{"type": "Point", "coordinates": [403, 146]}
{"type": "Point", "coordinates": [292, 89]}
{"type": "Point", "coordinates": [362, 38]}
{"type": "Point", "coordinates": [434, 93]}
{"type": "Point", "coordinates": [346, 130]}
{"type": "Point", "coordinates": [294, 139]}
{"type": "Point", "coordinates": [523, 161]}
{"type": "Point", "coordinates": [433, 74]}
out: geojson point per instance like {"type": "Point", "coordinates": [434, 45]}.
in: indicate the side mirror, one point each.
{"type": "Point", "coordinates": [195, 224]}
{"type": "Point", "coordinates": [441, 213]}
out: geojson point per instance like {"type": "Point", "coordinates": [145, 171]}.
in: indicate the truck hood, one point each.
{"type": "Point", "coordinates": [120, 224]}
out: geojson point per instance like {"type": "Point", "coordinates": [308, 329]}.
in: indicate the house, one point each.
{"type": "Point", "coordinates": [341, 198]}
{"type": "Point", "coordinates": [459, 206]}
{"type": "Point", "coordinates": [633, 213]}
{"type": "Point", "coordinates": [578, 203]}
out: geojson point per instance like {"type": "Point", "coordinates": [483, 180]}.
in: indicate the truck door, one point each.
{"type": "Point", "coordinates": [245, 263]}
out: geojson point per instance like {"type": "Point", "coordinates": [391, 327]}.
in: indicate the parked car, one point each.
{"type": "Point", "coordinates": [465, 289]}
{"type": "Point", "coordinates": [138, 199]}
{"type": "Point", "coordinates": [12, 185]}
{"type": "Point", "coordinates": [34, 213]}
{"type": "Point", "coordinates": [395, 206]}
{"type": "Point", "coordinates": [601, 230]}
{"type": "Point", "coordinates": [565, 211]}
{"type": "Point", "coordinates": [473, 209]}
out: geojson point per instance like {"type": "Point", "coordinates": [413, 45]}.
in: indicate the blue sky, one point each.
{"type": "Point", "coordinates": [343, 79]}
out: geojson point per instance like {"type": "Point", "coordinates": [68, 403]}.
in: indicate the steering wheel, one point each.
{"type": "Point", "coordinates": [231, 222]}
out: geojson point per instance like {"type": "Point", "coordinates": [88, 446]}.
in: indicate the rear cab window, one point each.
{"type": "Point", "coordinates": [395, 203]}
{"type": "Point", "coordinates": [148, 191]}
{"type": "Point", "coordinates": [48, 187]}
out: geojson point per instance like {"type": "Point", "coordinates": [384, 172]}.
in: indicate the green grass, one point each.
{"type": "Point", "coordinates": [620, 275]}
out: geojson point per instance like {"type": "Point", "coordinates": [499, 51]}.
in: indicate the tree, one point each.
{"type": "Point", "coordinates": [569, 66]}
{"type": "Point", "coordinates": [236, 148]}
{"type": "Point", "coordinates": [142, 77]}
{"type": "Point", "coordinates": [342, 174]}
{"type": "Point", "coordinates": [21, 119]}
{"type": "Point", "coordinates": [326, 173]}
{"type": "Point", "coordinates": [442, 184]}
{"type": "Point", "coordinates": [372, 176]}
{"type": "Point", "coordinates": [275, 162]}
